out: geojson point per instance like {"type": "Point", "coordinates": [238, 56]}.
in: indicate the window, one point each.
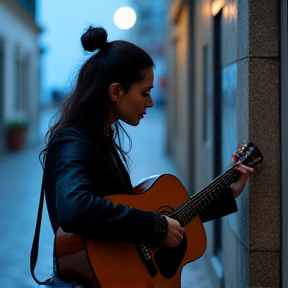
{"type": "Point", "coordinates": [21, 81]}
{"type": "Point", "coordinates": [207, 101]}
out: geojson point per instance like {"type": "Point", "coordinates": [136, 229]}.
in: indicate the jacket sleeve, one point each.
{"type": "Point", "coordinates": [84, 213]}
{"type": "Point", "coordinates": [224, 204]}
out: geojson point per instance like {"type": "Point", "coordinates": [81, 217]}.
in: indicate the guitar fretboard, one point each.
{"type": "Point", "coordinates": [198, 202]}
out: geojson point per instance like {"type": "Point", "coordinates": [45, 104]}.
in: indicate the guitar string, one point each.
{"type": "Point", "coordinates": [208, 187]}
{"type": "Point", "coordinates": [189, 208]}
{"type": "Point", "coordinates": [215, 183]}
{"type": "Point", "coordinates": [191, 204]}
{"type": "Point", "coordinates": [189, 211]}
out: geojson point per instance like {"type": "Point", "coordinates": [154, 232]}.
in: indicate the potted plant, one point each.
{"type": "Point", "coordinates": [16, 134]}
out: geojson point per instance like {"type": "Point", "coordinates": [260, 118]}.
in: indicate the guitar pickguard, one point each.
{"type": "Point", "coordinates": [168, 259]}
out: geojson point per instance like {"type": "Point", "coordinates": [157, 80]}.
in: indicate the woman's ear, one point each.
{"type": "Point", "coordinates": [115, 91]}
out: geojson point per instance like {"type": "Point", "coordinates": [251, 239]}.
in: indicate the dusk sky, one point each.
{"type": "Point", "coordinates": [63, 23]}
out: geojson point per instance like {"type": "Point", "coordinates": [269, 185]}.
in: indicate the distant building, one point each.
{"type": "Point", "coordinates": [227, 83]}
{"type": "Point", "coordinates": [149, 34]}
{"type": "Point", "coordinates": [19, 66]}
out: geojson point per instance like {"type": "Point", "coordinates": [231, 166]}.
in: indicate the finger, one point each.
{"type": "Point", "coordinates": [250, 170]}
{"type": "Point", "coordinates": [176, 242]}
{"type": "Point", "coordinates": [182, 231]}
{"type": "Point", "coordinates": [242, 171]}
{"type": "Point", "coordinates": [246, 172]}
{"type": "Point", "coordinates": [180, 238]}
{"type": "Point", "coordinates": [180, 235]}
{"type": "Point", "coordinates": [245, 169]}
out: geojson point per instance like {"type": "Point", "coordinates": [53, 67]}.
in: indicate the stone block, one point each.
{"type": "Point", "coordinates": [258, 28]}
{"type": "Point", "coordinates": [264, 130]}
{"type": "Point", "coordinates": [265, 269]}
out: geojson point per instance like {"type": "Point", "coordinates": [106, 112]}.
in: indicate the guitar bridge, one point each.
{"type": "Point", "coordinates": [147, 259]}
{"type": "Point", "coordinates": [145, 252]}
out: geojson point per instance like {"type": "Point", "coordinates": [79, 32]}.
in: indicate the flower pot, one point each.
{"type": "Point", "coordinates": [16, 138]}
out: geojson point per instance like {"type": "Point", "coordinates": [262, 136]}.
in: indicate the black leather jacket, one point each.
{"type": "Point", "coordinates": [77, 179]}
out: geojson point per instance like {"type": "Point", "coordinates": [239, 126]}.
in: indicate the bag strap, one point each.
{"type": "Point", "coordinates": [35, 244]}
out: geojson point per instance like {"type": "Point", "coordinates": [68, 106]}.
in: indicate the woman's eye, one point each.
{"type": "Point", "coordinates": [146, 94]}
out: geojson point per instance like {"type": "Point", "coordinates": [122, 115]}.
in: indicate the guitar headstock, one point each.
{"type": "Point", "coordinates": [249, 155]}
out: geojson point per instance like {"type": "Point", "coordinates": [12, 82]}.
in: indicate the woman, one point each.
{"type": "Point", "coordinates": [84, 160]}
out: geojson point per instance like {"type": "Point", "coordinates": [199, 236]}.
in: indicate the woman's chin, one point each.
{"type": "Point", "coordinates": [132, 123]}
{"type": "Point", "coordinates": [135, 123]}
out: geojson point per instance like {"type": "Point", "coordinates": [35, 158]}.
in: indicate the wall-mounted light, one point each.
{"type": "Point", "coordinates": [125, 18]}
{"type": "Point", "coordinates": [216, 6]}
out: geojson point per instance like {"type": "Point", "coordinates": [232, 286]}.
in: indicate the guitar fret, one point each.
{"type": "Point", "coordinates": [193, 214]}
{"type": "Point", "coordinates": [202, 204]}
{"type": "Point", "coordinates": [199, 209]}
{"type": "Point", "coordinates": [186, 219]}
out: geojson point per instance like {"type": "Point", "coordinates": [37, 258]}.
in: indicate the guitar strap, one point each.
{"type": "Point", "coordinates": [35, 244]}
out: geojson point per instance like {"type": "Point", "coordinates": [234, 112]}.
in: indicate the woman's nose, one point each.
{"type": "Point", "coordinates": [150, 102]}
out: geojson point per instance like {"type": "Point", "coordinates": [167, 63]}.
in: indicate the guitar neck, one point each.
{"type": "Point", "coordinates": [197, 203]}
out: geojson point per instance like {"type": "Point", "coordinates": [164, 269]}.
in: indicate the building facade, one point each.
{"type": "Point", "coordinates": [224, 87]}
{"type": "Point", "coordinates": [149, 33]}
{"type": "Point", "coordinates": [19, 66]}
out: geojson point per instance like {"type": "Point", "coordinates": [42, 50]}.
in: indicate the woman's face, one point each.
{"type": "Point", "coordinates": [131, 106]}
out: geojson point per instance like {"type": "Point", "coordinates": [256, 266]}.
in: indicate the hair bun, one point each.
{"type": "Point", "coordinates": [94, 38]}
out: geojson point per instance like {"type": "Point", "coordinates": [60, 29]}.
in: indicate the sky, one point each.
{"type": "Point", "coordinates": [63, 22]}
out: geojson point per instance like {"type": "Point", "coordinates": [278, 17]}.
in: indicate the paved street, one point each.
{"type": "Point", "coordinates": [20, 181]}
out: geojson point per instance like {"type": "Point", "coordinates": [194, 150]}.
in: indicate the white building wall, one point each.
{"type": "Point", "coordinates": [22, 34]}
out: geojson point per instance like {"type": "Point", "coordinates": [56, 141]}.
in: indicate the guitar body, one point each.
{"type": "Point", "coordinates": [119, 265]}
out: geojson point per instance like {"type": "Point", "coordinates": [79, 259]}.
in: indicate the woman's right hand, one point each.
{"type": "Point", "coordinates": [175, 233]}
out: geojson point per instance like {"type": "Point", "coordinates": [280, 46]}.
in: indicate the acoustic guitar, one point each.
{"type": "Point", "coordinates": [120, 265]}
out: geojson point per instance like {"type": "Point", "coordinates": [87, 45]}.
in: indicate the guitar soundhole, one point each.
{"type": "Point", "coordinates": [165, 210]}
{"type": "Point", "coordinates": [168, 259]}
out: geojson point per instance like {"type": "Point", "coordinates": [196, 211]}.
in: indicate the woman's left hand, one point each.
{"type": "Point", "coordinates": [245, 173]}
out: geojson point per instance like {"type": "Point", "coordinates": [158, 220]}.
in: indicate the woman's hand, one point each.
{"type": "Point", "coordinates": [245, 173]}
{"type": "Point", "coordinates": [175, 233]}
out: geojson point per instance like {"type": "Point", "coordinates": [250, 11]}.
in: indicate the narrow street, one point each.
{"type": "Point", "coordinates": [20, 182]}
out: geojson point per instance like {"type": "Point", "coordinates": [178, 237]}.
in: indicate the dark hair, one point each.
{"type": "Point", "coordinates": [88, 106]}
